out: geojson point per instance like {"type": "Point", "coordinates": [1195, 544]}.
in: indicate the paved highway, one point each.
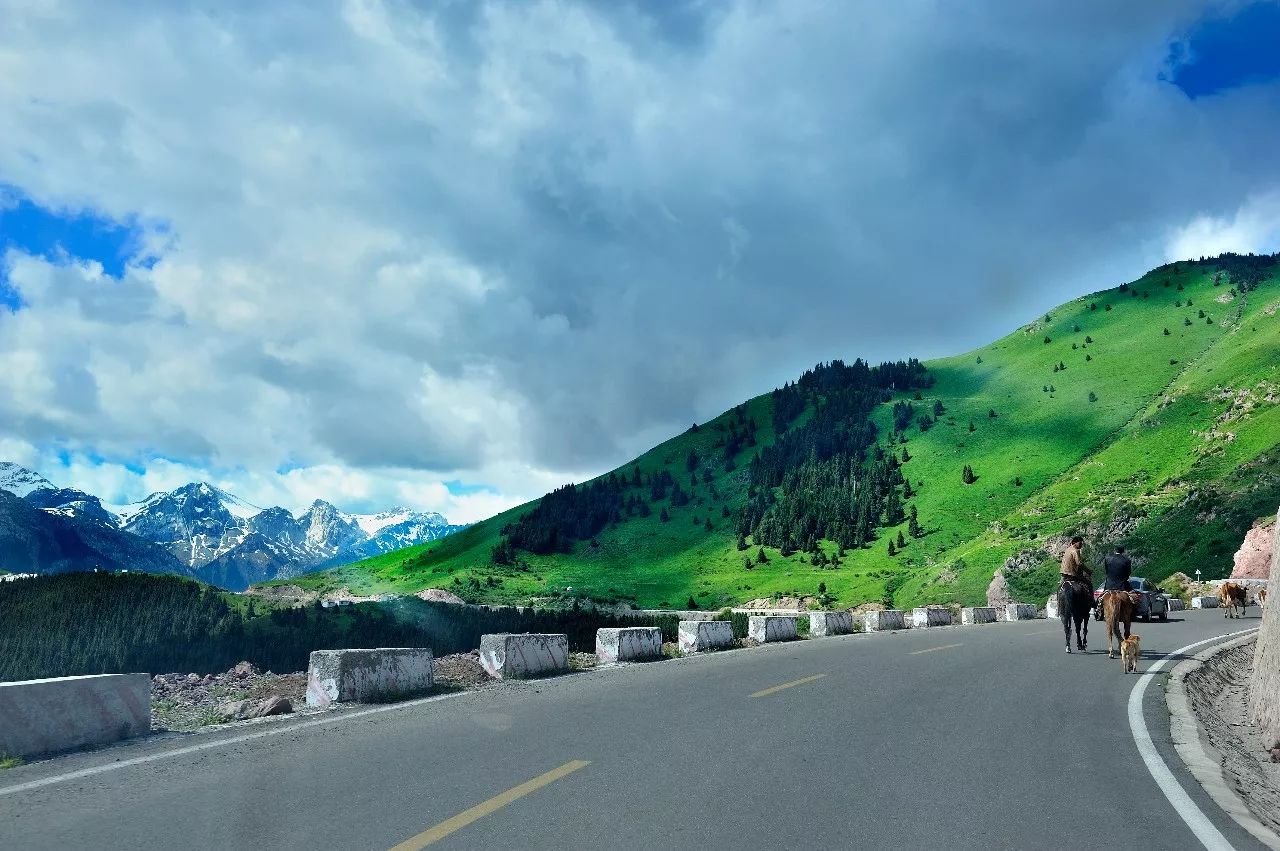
{"type": "Point", "coordinates": [982, 736]}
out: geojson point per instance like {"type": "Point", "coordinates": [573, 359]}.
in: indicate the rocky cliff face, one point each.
{"type": "Point", "coordinates": [1253, 559]}
{"type": "Point", "coordinates": [1264, 689]}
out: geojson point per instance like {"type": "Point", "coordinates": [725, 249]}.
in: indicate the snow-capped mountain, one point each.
{"type": "Point", "coordinates": [196, 530]}
{"type": "Point", "coordinates": [197, 522]}
{"type": "Point", "coordinates": [20, 481]}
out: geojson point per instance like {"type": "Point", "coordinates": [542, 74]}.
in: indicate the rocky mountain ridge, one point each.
{"type": "Point", "coordinates": [196, 530]}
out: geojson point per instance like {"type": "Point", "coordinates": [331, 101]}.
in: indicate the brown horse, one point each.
{"type": "Point", "coordinates": [1118, 608]}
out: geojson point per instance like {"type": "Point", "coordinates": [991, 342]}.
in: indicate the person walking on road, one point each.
{"type": "Point", "coordinates": [1119, 569]}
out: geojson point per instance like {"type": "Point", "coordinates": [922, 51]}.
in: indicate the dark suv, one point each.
{"type": "Point", "coordinates": [1152, 602]}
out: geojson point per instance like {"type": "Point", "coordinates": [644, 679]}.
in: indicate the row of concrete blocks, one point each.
{"type": "Point", "coordinates": [890, 619]}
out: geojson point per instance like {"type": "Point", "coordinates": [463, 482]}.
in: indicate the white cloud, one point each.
{"type": "Point", "coordinates": [402, 244]}
{"type": "Point", "coordinates": [1254, 228]}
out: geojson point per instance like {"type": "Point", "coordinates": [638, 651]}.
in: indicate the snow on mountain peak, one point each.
{"type": "Point", "coordinates": [20, 481]}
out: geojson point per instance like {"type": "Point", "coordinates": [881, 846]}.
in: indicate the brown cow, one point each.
{"type": "Point", "coordinates": [1118, 607]}
{"type": "Point", "coordinates": [1231, 595]}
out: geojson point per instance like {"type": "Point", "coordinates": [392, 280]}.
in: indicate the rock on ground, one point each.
{"type": "Point", "coordinates": [998, 591]}
{"type": "Point", "coordinates": [189, 701]}
{"type": "Point", "coordinates": [439, 595]}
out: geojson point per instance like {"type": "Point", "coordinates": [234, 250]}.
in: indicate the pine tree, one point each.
{"type": "Point", "coordinates": [1088, 357]}
{"type": "Point", "coordinates": [761, 557]}
{"type": "Point", "coordinates": [1047, 339]}
{"type": "Point", "coordinates": [907, 491]}
{"type": "Point", "coordinates": [967, 475]}
{"type": "Point", "coordinates": [991, 414]}
{"type": "Point", "coordinates": [1166, 332]}
{"type": "Point", "coordinates": [892, 550]}
{"type": "Point", "coordinates": [707, 524]}
{"type": "Point", "coordinates": [1093, 397]}
{"type": "Point", "coordinates": [972, 427]}
{"type": "Point", "coordinates": [1088, 340]}
{"type": "Point", "coordinates": [1017, 481]}
{"type": "Point", "coordinates": [937, 408]}
{"type": "Point", "coordinates": [902, 542]}
{"type": "Point", "coordinates": [664, 516]}
{"type": "Point", "coordinates": [1186, 322]}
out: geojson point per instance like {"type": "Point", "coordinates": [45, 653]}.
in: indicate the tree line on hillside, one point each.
{"type": "Point", "coordinates": [828, 478]}
{"type": "Point", "coordinates": [828, 452]}
{"type": "Point", "coordinates": [92, 623]}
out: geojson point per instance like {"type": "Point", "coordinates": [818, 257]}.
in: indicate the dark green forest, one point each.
{"type": "Point", "coordinates": [93, 623]}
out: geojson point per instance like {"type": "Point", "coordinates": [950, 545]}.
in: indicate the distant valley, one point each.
{"type": "Point", "coordinates": [198, 531]}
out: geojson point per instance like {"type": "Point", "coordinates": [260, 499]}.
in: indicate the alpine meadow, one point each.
{"type": "Point", "coordinates": [1144, 414]}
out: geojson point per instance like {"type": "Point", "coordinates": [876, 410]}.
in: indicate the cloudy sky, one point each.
{"type": "Point", "coordinates": [452, 254]}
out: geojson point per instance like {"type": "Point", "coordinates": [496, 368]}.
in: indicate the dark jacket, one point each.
{"type": "Point", "coordinates": [1119, 568]}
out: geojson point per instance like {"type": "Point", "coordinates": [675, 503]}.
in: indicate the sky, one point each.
{"type": "Point", "coordinates": [451, 255]}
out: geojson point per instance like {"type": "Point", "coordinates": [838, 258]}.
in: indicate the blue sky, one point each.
{"type": "Point", "coordinates": [454, 256]}
{"type": "Point", "coordinates": [60, 235]}
{"type": "Point", "coordinates": [1222, 52]}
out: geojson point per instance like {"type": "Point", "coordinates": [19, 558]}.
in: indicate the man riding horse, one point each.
{"type": "Point", "coordinates": [1073, 568]}
{"type": "Point", "coordinates": [1075, 595]}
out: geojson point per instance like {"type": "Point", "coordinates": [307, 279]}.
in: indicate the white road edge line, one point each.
{"type": "Point", "coordinates": [204, 746]}
{"type": "Point", "coordinates": [1186, 808]}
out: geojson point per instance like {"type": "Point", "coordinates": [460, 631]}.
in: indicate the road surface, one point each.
{"type": "Point", "coordinates": [980, 736]}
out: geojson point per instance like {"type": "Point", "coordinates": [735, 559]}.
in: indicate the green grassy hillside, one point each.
{"type": "Point", "coordinates": [1145, 414]}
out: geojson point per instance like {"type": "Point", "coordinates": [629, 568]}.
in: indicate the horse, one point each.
{"type": "Point", "coordinates": [1231, 595]}
{"type": "Point", "coordinates": [1118, 608]}
{"type": "Point", "coordinates": [1074, 603]}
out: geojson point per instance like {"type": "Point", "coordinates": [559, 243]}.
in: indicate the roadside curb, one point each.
{"type": "Point", "coordinates": [1184, 730]}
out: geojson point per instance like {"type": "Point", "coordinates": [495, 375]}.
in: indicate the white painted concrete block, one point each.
{"type": "Point", "coordinates": [1204, 602]}
{"type": "Point", "coordinates": [1051, 606]}
{"type": "Point", "coordinates": [1176, 604]}
{"type": "Point", "coordinates": [1020, 612]}
{"type": "Point", "coordinates": [697, 636]}
{"type": "Point", "coordinates": [978, 614]}
{"type": "Point", "coordinates": [39, 717]}
{"type": "Point", "coordinates": [883, 620]}
{"type": "Point", "coordinates": [930, 616]}
{"type": "Point", "coordinates": [628, 644]}
{"type": "Point", "coordinates": [765, 628]}
{"type": "Point", "coordinates": [378, 674]}
{"type": "Point", "coordinates": [830, 623]}
{"type": "Point", "coordinates": [511, 655]}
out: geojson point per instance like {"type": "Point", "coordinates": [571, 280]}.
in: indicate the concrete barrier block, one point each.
{"type": "Point", "coordinates": [1176, 604]}
{"type": "Point", "coordinates": [830, 623]}
{"type": "Point", "coordinates": [978, 614]}
{"type": "Point", "coordinates": [930, 616]}
{"type": "Point", "coordinates": [1051, 606]}
{"type": "Point", "coordinates": [40, 717]}
{"type": "Point", "coordinates": [1020, 612]}
{"type": "Point", "coordinates": [511, 655]}
{"type": "Point", "coordinates": [628, 644]}
{"type": "Point", "coordinates": [1204, 602]}
{"type": "Point", "coordinates": [883, 620]}
{"type": "Point", "coordinates": [697, 636]}
{"type": "Point", "coordinates": [377, 674]}
{"type": "Point", "coordinates": [765, 628]}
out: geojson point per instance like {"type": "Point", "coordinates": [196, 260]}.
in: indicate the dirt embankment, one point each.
{"type": "Point", "coordinates": [1218, 693]}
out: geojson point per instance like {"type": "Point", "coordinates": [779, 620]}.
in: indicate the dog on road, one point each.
{"type": "Point", "coordinates": [1130, 649]}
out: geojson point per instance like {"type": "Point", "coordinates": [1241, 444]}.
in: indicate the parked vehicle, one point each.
{"type": "Point", "coordinates": [1152, 602]}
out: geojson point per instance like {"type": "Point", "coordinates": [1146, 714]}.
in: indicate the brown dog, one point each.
{"type": "Point", "coordinates": [1130, 649]}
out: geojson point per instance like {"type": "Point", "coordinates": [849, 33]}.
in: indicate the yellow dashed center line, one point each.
{"type": "Point", "coordinates": [479, 811]}
{"type": "Point", "coordinates": [932, 649]}
{"type": "Point", "coordinates": [774, 689]}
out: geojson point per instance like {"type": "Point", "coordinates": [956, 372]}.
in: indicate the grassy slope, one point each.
{"type": "Point", "coordinates": [1133, 463]}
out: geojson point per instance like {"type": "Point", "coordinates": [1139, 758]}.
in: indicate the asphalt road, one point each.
{"type": "Point", "coordinates": [983, 736]}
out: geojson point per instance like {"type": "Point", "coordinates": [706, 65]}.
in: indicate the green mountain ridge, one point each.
{"type": "Point", "coordinates": [1145, 414]}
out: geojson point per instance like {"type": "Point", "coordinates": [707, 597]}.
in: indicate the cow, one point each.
{"type": "Point", "coordinates": [1230, 595]}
